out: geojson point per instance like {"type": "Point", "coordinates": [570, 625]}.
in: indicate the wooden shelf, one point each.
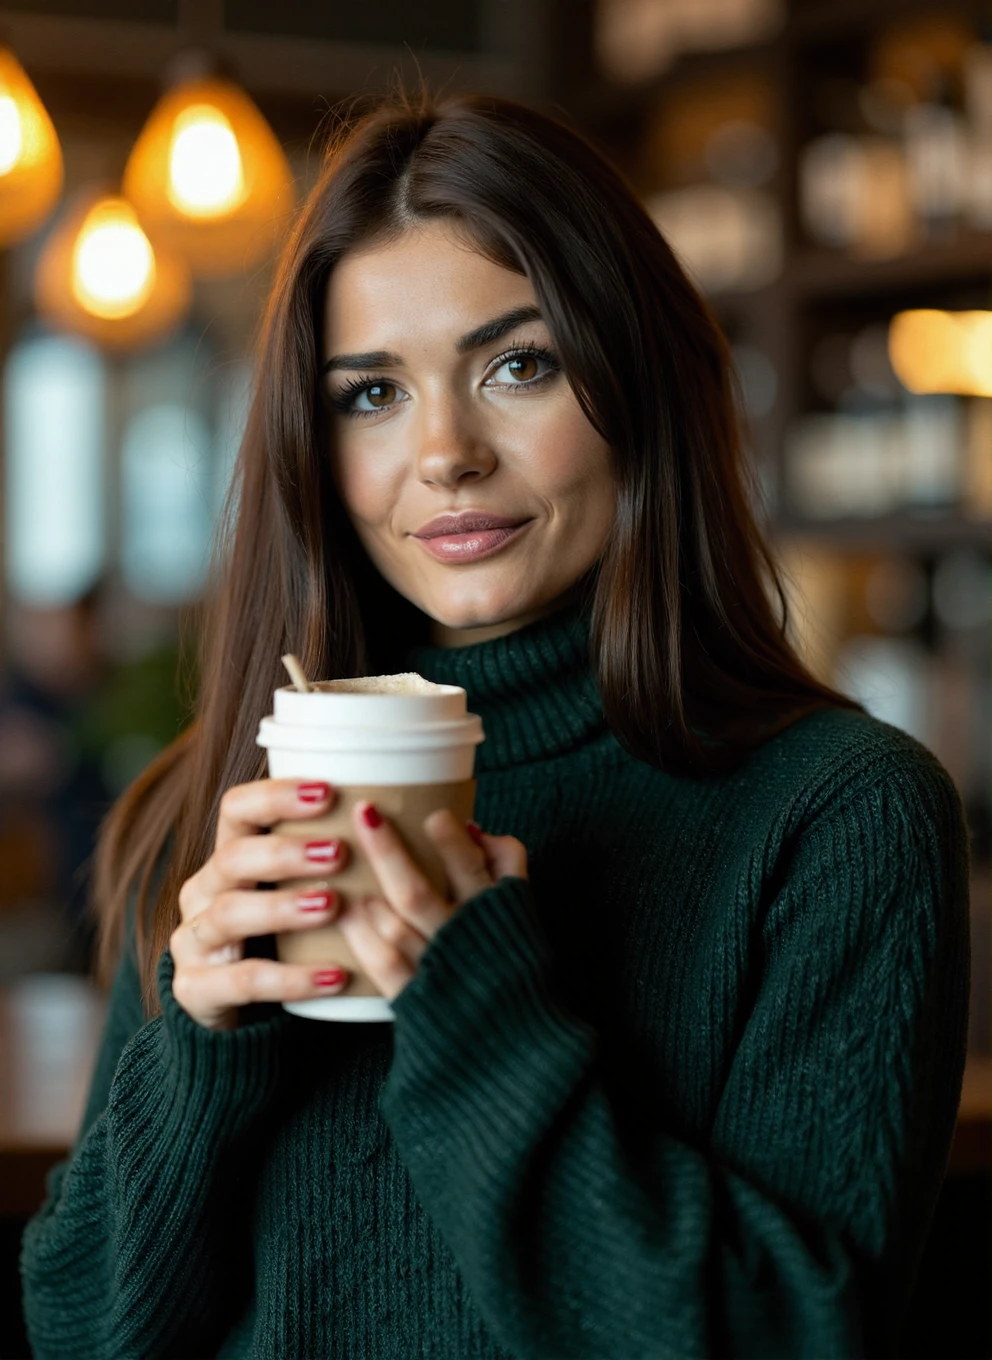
{"type": "Point", "coordinates": [830, 20]}
{"type": "Point", "coordinates": [304, 67]}
{"type": "Point", "coordinates": [965, 255]}
{"type": "Point", "coordinates": [905, 531]}
{"type": "Point", "coordinates": [819, 275]}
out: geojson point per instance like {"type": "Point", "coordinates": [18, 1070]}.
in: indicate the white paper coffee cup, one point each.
{"type": "Point", "coordinates": [401, 741]}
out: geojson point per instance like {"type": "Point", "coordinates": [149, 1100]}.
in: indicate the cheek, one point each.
{"type": "Point", "coordinates": [567, 455]}
{"type": "Point", "coordinates": [363, 482]}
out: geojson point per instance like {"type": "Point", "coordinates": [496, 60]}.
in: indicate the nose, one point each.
{"type": "Point", "coordinates": [449, 444]}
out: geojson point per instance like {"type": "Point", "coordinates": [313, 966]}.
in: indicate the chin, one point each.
{"type": "Point", "coordinates": [472, 618]}
{"type": "Point", "coordinates": [472, 614]}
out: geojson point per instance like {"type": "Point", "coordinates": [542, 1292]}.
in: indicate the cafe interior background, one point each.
{"type": "Point", "coordinates": [823, 168]}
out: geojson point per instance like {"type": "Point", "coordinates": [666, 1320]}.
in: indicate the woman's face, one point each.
{"type": "Point", "coordinates": [445, 396]}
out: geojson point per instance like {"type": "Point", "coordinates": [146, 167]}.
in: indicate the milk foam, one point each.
{"type": "Point", "coordinates": [406, 682]}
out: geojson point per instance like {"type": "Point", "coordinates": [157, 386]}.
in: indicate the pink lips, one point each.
{"type": "Point", "coordinates": [471, 546]}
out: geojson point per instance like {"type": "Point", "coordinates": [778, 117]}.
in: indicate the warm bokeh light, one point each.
{"type": "Point", "coordinates": [113, 265]}
{"type": "Point", "coordinates": [31, 169]}
{"type": "Point", "coordinates": [11, 135]}
{"type": "Point", "coordinates": [977, 351]}
{"type": "Point", "coordinates": [208, 177]}
{"type": "Point", "coordinates": [938, 351]}
{"type": "Point", "coordinates": [100, 276]}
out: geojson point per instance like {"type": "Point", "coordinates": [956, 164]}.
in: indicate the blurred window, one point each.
{"type": "Point", "coordinates": [233, 398]}
{"type": "Point", "coordinates": [121, 468]}
{"type": "Point", "coordinates": [167, 519]}
{"type": "Point", "coordinates": [55, 436]}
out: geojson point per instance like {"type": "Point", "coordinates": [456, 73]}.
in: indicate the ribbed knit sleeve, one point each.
{"type": "Point", "coordinates": [137, 1249]}
{"type": "Point", "coordinates": [795, 1230]}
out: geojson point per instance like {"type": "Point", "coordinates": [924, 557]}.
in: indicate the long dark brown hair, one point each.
{"type": "Point", "coordinates": [692, 657]}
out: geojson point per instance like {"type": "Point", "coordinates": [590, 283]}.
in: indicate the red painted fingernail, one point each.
{"type": "Point", "coordinates": [317, 901]}
{"type": "Point", "coordinates": [476, 833]}
{"type": "Point", "coordinates": [313, 793]}
{"type": "Point", "coordinates": [322, 852]}
{"type": "Point", "coordinates": [370, 815]}
{"type": "Point", "coordinates": [329, 977]}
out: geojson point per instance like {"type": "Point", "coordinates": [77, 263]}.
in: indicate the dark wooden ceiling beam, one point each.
{"type": "Point", "coordinates": [264, 63]}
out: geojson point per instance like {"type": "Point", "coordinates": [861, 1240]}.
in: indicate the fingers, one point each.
{"type": "Point", "coordinates": [212, 995]}
{"type": "Point", "coordinates": [393, 930]}
{"type": "Point", "coordinates": [235, 916]}
{"type": "Point", "coordinates": [247, 860]}
{"type": "Point", "coordinates": [507, 857]}
{"type": "Point", "coordinates": [246, 809]}
{"type": "Point", "coordinates": [220, 906]}
{"type": "Point", "coordinates": [474, 861]}
{"type": "Point", "coordinates": [387, 966]}
{"type": "Point", "coordinates": [464, 859]}
{"type": "Point", "coordinates": [402, 882]}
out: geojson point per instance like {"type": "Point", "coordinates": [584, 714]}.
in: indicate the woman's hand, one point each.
{"type": "Point", "coordinates": [389, 934]}
{"type": "Point", "coordinates": [222, 906]}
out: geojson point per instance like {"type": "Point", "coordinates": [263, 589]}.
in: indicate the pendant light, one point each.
{"type": "Point", "coordinates": [207, 175]}
{"type": "Point", "coordinates": [31, 169]}
{"type": "Point", "coordinates": [100, 276]}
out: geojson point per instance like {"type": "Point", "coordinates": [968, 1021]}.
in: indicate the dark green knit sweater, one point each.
{"type": "Point", "coordinates": [688, 1092]}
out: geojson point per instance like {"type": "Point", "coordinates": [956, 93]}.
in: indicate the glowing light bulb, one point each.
{"type": "Point", "coordinates": [206, 175]}
{"type": "Point", "coordinates": [30, 156]}
{"type": "Point", "coordinates": [208, 178]}
{"type": "Point", "coordinates": [113, 264]}
{"type": "Point", "coordinates": [98, 275]}
{"type": "Point", "coordinates": [11, 134]}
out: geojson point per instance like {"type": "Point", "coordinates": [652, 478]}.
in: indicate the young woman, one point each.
{"type": "Point", "coordinates": [675, 1067]}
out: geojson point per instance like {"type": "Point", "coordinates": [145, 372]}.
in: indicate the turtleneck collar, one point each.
{"type": "Point", "coordinates": [534, 688]}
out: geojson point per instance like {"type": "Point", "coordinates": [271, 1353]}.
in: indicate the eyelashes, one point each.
{"type": "Point", "coordinates": [343, 400]}
{"type": "Point", "coordinates": [527, 352]}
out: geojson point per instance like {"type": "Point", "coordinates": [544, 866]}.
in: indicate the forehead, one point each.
{"type": "Point", "coordinates": [430, 280]}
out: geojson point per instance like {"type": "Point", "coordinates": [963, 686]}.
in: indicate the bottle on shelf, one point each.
{"type": "Point", "coordinates": [855, 195]}
{"type": "Point", "coordinates": [977, 71]}
{"type": "Point", "coordinates": [933, 431]}
{"type": "Point", "coordinates": [937, 147]}
{"type": "Point", "coordinates": [976, 472]}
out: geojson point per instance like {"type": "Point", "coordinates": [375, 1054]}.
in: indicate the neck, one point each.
{"type": "Point", "coordinates": [444, 636]}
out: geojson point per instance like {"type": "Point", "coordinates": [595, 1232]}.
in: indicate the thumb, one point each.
{"type": "Point", "coordinates": [505, 855]}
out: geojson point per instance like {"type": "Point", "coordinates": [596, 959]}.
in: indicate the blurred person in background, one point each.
{"type": "Point", "coordinates": [77, 723]}
{"type": "Point", "coordinates": [50, 772]}
{"type": "Point", "coordinates": [675, 1068]}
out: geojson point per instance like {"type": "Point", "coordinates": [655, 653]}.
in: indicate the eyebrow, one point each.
{"type": "Point", "coordinates": [482, 335]}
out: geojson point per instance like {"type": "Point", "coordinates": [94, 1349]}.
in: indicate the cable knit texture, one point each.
{"type": "Point", "coordinates": [686, 1091]}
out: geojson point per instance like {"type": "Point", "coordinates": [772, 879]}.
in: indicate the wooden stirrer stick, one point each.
{"type": "Point", "coordinates": [296, 673]}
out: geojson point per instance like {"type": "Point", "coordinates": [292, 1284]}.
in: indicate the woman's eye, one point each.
{"type": "Point", "coordinates": [375, 396]}
{"type": "Point", "coordinates": [367, 398]}
{"type": "Point", "coordinates": [527, 366]}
